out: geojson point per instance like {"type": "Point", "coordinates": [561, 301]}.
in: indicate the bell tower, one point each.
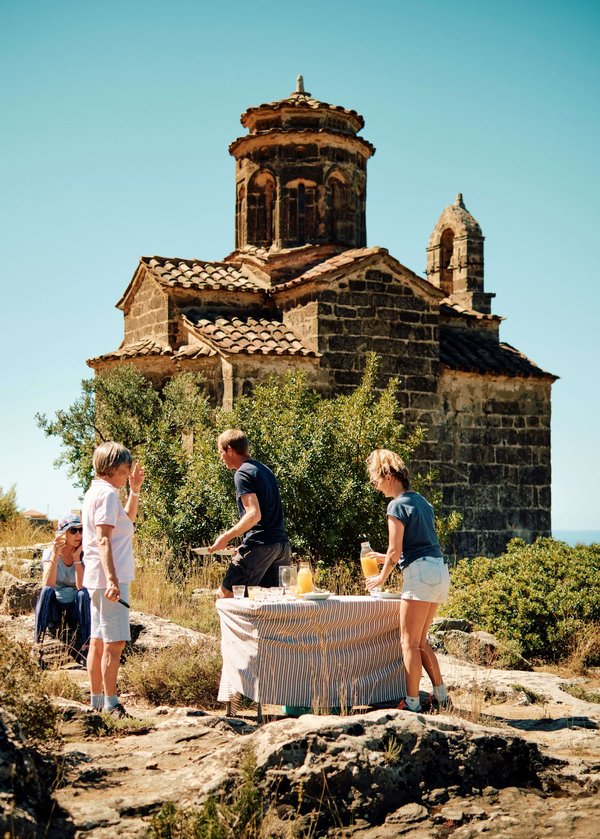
{"type": "Point", "coordinates": [455, 258]}
{"type": "Point", "coordinates": [300, 175]}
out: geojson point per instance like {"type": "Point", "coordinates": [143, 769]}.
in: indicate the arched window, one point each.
{"type": "Point", "coordinates": [261, 204]}
{"type": "Point", "coordinates": [446, 261]}
{"type": "Point", "coordinates": [300, 212]}
{"type": "Point", "coordinates": [240, 212]}
{"type": "Point", "coordinates": [342, 207]}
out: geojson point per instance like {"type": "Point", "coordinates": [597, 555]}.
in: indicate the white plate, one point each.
{"type": "Point", "coordinates": [315, 595]}
{"type": "Point", "coordinates": [388, 595]}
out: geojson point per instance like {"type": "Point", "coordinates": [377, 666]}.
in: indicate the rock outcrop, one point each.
{"type": "Point", "coordinates": [16, 596]}
{"type": "Point", "coordinates": [26, 779]}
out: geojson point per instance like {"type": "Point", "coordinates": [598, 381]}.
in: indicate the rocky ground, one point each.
{"type": "Point", "coordinates": [519, 758]}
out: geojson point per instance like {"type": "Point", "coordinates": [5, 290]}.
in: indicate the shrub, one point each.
{"type": "Point", "coordinates": [541, 596]}
{"type": "Point", "coordinates": [22, 691]}
{"type": "Point", "coordinates": [8, 504]}
{"type": "Point", "coordinates": [316, 447]}
{"type": "Point", "coordinates": [182, 674]}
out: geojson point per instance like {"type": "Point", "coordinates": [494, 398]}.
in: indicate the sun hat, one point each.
{"type": "Point", "coordinates": [70, 520]}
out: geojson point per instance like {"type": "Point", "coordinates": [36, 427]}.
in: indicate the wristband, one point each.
{"type": "Point", "coordinates": [131, 492]}
{"type": "Point", "coordinates": [78, 563]}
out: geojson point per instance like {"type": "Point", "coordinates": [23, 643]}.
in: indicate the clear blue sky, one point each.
{"type": "Point", "coordinates": [116, 117]}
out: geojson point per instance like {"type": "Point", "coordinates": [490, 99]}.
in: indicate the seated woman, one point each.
{"type": "Point", "coordinates": [63, 599]}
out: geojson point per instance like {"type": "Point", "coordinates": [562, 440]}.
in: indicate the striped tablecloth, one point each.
{"type": "Point", "coordinates": [332, 653]}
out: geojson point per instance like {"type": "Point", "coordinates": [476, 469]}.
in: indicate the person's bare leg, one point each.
{"type": "Point", "coordinates": [428, 657]}
{"type": "Point", "coordinates": [110, 666]}
{"type": "Point", "coordinates": [94, 665]}
{"type": "Point", "coordinates": [413, 617]}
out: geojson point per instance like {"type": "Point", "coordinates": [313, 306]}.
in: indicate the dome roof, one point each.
{"type": "Point", "coordinates": [459, 219]}
{"type": "Point", "coordinates": [301, 101]}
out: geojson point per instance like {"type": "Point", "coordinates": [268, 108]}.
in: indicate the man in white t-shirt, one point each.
{"type": "Point", "coordinates": [109, 568]}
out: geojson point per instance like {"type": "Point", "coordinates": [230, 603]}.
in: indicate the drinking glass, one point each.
{"type": "Point", "coordinates": [288, 577]}
{"type": "Point", "coordinates": [253, 592]}
{"type": "Point", "coordinates": [239, 592]}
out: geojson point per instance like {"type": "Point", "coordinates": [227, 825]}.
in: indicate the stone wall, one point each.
{"type": "Point", "coordinates": [148, 314]}
{"type": "Point", "coordinates": [374, 311]}
{"type": "Point", "coordinates": [493, 446]}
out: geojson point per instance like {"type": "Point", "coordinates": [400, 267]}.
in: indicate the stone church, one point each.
{"type": "Point", "coordinates": [303, 290]}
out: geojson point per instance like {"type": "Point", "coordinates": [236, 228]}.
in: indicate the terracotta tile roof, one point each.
{"type": "Point", "coordinates": [449, 307]}
{"type": "Point", "coordinates": [197, 274]}
{"type": "Point", "coordinates": [195, 351]}
{"type": "Point", "coordinates": [140, 348]}
{"type": "Point", "coordinates": [476, 352]}
{"type": "Point", "coordinates": [351, 257]}
{"type": "Point", "coordinates": [249, 335]}
{"type": "Point", "coordinates": [303, 100]}
{"type": "Point", "coordinates": [334, 263]}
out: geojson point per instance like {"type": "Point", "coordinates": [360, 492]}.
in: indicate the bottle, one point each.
{"type": "Point", "coordinates": [368, 562]}
{"type": "Point", "coordinates": [304, 582]}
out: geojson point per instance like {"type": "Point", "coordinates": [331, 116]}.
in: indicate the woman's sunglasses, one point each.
{"type": "Point", "coordinates": [74, 530]}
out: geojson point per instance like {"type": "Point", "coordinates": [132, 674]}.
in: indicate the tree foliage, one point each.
{"type": "Point", "coordinates": [8, 504]}
{"type": "Point", "coordinates": [317, 448]}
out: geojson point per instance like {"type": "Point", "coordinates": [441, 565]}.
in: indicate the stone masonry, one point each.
{"type": "Point", "coordinates": [303, 289]}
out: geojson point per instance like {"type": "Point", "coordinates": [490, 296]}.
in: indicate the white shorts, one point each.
{"type": "Point", "coordinates": [110, 621]}
{"type": "Point", "coordinates": [426, 579]}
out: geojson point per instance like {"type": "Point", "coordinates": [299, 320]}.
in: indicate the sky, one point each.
{"type": "Point", "coordinates": [115, 119]}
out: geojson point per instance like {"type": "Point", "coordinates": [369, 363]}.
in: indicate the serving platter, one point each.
{"type": "Point", "coordinates": [388, 595]}
{"type": "Point", "coordinates": [315, 595]}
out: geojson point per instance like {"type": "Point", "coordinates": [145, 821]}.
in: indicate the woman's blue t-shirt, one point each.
{"type": "Point", "coordinates": [417, 516]}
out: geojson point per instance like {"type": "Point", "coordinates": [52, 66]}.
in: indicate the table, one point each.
{"type": "Point", "coordinates": [321, 654]}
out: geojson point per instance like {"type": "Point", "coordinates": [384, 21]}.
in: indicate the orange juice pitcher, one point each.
{"type": "Point", "coordinates": [304, 583]}
{"type": "Point", "coordinates": [368, 562]}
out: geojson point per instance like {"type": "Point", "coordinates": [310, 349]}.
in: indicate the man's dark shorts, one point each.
{"type": "Point", "coordinates": [257, 565]}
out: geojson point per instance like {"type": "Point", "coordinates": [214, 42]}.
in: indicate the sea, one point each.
{"type": "Point", "coordinates": [577, 537]}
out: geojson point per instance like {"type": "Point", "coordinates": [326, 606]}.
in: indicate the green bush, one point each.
{"type": "Point", "coordinates": [317, 448]}
{"type": "Point", "coordinates": [8, 504]}
{"type": "Point", "coordinates": [541, 596]}
{"type": "Point", "coordinates": [22, 691]}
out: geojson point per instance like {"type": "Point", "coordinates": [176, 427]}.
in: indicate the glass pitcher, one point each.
{"type": "Point", "coordinates": [304, 583]}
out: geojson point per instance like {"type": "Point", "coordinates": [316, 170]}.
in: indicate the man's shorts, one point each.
{"type": "Point", "coordinates": [110, 621]}
{"type": "Point", "coordinates": [257, 565]}
{"type": "Point", "coordinates": [426, 579]}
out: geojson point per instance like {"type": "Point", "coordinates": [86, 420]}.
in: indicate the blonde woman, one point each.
{"type": "Point", "coordinates": [413, 543]}
{"type": "Point", "coordinates": [109, 567]}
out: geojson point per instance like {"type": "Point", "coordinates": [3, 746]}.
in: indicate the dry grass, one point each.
{"type": "Point", "coordinates": [58, 683]}
{"type": "Point", "coordinates": [341, 578]}
{"type": "Point", "coordinates": [154, 593]}
{"type": "Point", "coordinates": [182, 674]}
{"type": "Point", "coordinates": [19, 532]}
{"type": "Point", "coordinates": [586, 650]}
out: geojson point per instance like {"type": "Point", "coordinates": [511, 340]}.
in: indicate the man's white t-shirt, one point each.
{"type": "Point", "coordinates": [101, 505]}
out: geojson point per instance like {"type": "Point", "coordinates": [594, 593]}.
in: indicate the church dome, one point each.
{"type": "Point", "coordinates": [299, 108]}
{"type": "Point", "coordinates": [301, 175]}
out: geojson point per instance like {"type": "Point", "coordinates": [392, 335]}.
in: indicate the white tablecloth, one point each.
{"type": "Point", "coordinates": [332, 653]}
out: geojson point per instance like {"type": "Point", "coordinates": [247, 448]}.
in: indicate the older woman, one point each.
{"type": "Point", "coordinates": [63, 598]}
{"type": "Point", "coordinates": [109, 568]}
{"type": "Point", "coordinates": [412, 541]}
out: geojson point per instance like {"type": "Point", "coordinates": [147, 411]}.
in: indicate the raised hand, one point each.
{"type": "Point", "coordinates": [136, 477]}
